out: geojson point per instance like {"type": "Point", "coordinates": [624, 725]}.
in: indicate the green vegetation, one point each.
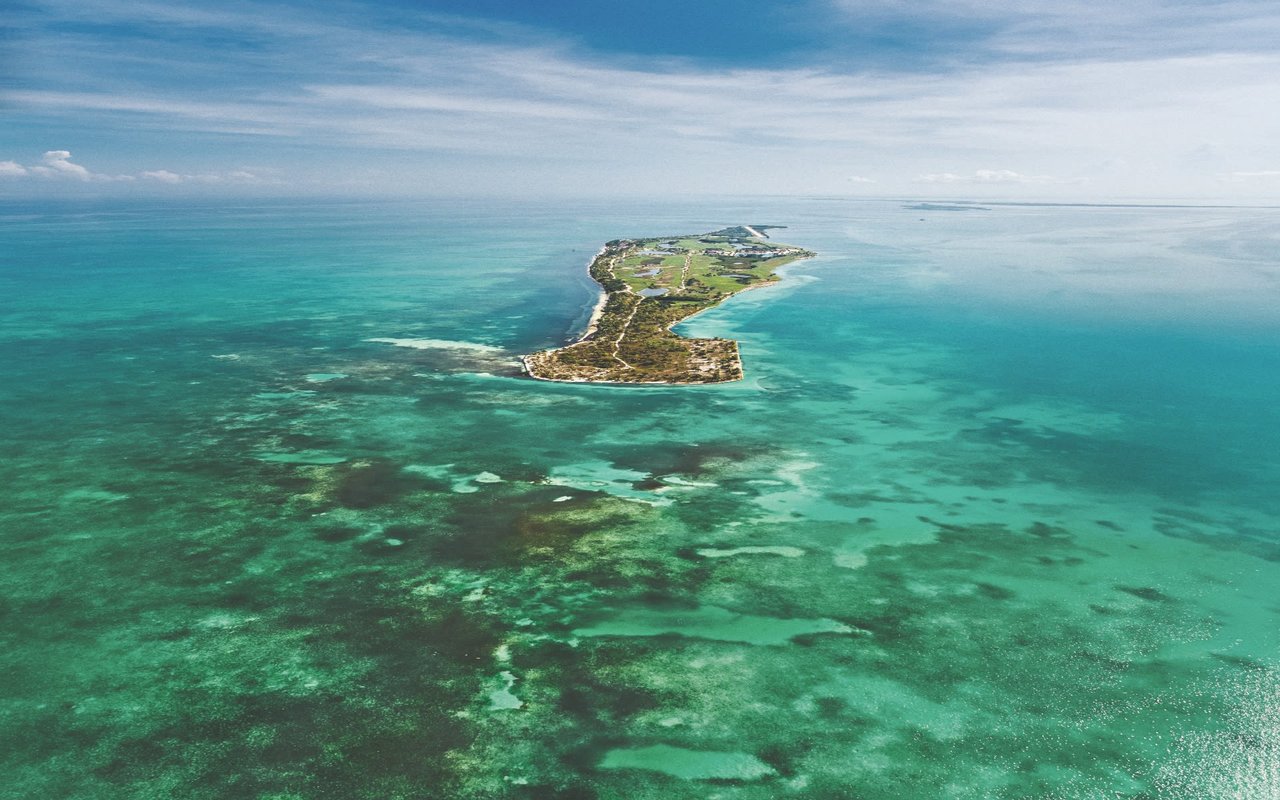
{"type": "Point", "coordinates": [652, 284]}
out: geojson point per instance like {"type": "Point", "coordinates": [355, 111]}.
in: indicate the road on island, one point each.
{"type": "Point", "coordinates": [617, 343]}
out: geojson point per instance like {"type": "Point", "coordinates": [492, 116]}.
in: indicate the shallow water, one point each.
{"type": "Point", "coordinates": [992, 516]}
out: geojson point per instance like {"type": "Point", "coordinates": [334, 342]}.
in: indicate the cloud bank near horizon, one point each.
{"type": "Point", "coordinates": [1160, 98]}
{"type": "Point", "coordinates": [56, 165]}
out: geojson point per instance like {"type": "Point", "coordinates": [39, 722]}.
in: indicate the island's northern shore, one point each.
{"type": "Point", "coordinates": [650, 285]}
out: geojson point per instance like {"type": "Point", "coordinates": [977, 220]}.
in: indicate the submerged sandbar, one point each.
{"type": "Point", "coordinates": [649, 285]}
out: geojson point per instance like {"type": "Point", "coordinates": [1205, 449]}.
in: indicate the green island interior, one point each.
{"type": "Point", "coordinates": [649, 286]}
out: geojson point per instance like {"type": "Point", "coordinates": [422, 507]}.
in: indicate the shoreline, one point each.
{"type": "Point", "coordinates": [743, 290]}
{"type": "Point", "coordinates": [598, 311]}
{"type": "Point", "coordinates": [524, 366]}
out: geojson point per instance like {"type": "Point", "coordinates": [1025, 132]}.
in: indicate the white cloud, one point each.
{"type": "Point", "coordinates": [58, 162]}
{"type": "Point", "coordinates": [860, 179]}
{"type": "Point", "coordinates": [162, 175]}
{"type": "Point", "coordinates": [993, 176]}
{"type": "Point", "coordinates": [57, 165]}
{"type": "Point", "coordinates": [1265, 174]}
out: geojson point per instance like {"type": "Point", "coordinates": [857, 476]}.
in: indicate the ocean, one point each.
{"type": "Point", "coordinates": [994, 513]}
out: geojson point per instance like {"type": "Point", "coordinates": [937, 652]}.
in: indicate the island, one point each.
{"type": "Point", "coordinates": [649, 285]}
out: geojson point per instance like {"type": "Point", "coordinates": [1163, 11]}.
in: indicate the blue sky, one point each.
{"type": "Point", "coordinates": [1017, 99]}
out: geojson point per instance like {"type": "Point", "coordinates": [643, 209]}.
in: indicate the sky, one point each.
{"type": "Point", "coordinates": [1056, 100]}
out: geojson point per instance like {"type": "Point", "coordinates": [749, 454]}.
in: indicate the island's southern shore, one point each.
{"type": "Point", "coordinates": [650, 285]}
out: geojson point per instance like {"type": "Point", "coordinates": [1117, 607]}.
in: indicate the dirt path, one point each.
{"type": "Point", "coordinates": [617, 345]}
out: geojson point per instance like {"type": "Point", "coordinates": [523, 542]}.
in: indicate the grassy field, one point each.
{"type": "Point", "coordinates": [650, 285]}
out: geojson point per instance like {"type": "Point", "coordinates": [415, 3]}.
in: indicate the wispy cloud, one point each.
{"type": "Point", "coordinates": [411, 99]}
{"type": "Point", "coordinates": [162, 175]}
{"type": "Point", "coordinates": [994, 176]}
{"type": "Point", "coordinates": [497, 105]}
{"type": "Point", "coordinates": [176, 112]}
{"type": "Point", "coordinates": [1077, 30]}
{"type": "Point", "coordinates": [1264, 174]}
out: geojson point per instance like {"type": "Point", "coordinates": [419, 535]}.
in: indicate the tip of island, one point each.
{"type": "Point", "coordinates": [650, 285]}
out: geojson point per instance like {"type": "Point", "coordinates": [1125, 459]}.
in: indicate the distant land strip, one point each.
{"type": "Point", "coordinates": [649, 286]}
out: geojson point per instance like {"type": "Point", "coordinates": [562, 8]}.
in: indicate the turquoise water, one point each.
{"type": "Point", "coordinates": [992, 516]}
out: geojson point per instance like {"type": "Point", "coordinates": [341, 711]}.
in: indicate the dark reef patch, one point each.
{"type": "Point", "coordinates": [1148, 593]}
{"type": "Point", "coordinates": [369, 483]}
